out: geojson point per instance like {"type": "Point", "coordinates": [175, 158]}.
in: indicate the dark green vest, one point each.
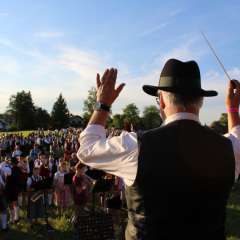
{"type": "Point", "coordinates": [185, 173]}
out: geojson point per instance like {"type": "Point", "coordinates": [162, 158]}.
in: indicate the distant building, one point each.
{"type": "Point", "coordinates": [3, 125]}
{"type": "Point", "coordinates": [76, 120]}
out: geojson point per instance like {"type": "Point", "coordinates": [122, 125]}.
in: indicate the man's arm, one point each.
{"type": "Point", "coordinates": [233, 101]}
{"type": "Point", "coordinates": [117, 155]}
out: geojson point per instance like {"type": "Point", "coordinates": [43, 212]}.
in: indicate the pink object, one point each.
{"type": "Point", "coordinates": [232, 109]}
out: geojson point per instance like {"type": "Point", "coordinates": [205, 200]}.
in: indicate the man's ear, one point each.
{"type": "Point", "coordinates": [162, 104]}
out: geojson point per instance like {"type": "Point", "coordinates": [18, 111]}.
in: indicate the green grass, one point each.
{"type": "Point", "coordinates": [25, 133]}
{"type": "Point", "coordinates": [233, 214]}
{"type": "Point", "coordinates": [63, 227]}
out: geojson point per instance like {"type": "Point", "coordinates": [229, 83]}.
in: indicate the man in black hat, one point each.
{"type": "Point", "coordinates": [179, 175]}
{"type": "Point", "coordinates": [13, 187]}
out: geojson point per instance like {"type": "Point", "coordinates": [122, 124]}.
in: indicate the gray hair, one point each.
{"type": "Point", "coordinates": [183, 101]}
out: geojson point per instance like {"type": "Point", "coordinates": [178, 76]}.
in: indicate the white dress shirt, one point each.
{"type": "Point", "coordinates": [119, 155]}
{"type": "Point", "coordinates": [6, 170]}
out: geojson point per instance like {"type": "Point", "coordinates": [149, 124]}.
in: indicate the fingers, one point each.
{"type": "Point", "coordinates": [114, 78]}
{"type": "Point", "coordinates": [98, 80]}
{"type": "Point", "coordinates": [104, 76]}
{"type": "Point", "coordinates": [109, 76]}
{"type": "Point", "coordinates": [120, 88]}
{"type": "Point", "coordinates": [235, 85]}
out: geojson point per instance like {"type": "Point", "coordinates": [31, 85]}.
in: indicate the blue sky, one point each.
{"type": "Point", "coordinates": [56, 46]}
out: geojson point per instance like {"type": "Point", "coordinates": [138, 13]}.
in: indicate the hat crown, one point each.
{"type": "Point", "coordinates": [176, 68]}
{"type": "Point", "coordinates": [180, 77]}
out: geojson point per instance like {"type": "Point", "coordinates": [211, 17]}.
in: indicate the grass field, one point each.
{"type": "Point", "coordinates": [24, 133]}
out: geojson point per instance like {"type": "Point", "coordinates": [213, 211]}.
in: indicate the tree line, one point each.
{"type": "Point", "coordinates": [22, 114]}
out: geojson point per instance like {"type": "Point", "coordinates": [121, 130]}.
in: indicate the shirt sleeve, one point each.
{"type": "Point", "coordinates": [28, 168]}
{"type": "Point", "coordinates": [31, 154]}
{"type": "Point", "coordinates": [6, 170]}
{"type": "Point", "coordinates": [1, 181]}
{"type": "Point", "coordinates": [50, 165]}
{"type": "Point", "coordinates": [29, 181]}
{"type": "Point", "coordinates": [234, 136]}
{"type": "Point", "coordinates": [76, 183]}
{"type": "Point", "coordinates": [56, 175]}
{"type": "Point", "coordinates": [117, 155]}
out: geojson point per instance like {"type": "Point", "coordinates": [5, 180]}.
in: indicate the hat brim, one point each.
{"type": "Point", "coordinates": [152, 90]}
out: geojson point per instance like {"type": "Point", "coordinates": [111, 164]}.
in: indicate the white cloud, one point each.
{"type": "Point", "coordinates": [234, 73]}
{"type": "Point", "coordinates": [7, 43]}
{"type": "Point", "coordinates": [10, 66]}
{"type": "Point", "coordinates": [182, 52]}
{"type": "Point", "coordinates": [50, 34]}
{"type": "Point", "coordinates": [154, 29]}
{"type": "Point", "coordinates": [176, 12]}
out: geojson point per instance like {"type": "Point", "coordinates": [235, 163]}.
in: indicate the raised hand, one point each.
{"type": "Point", "coordinates": [232, 104]}
{"type": "Point", "coordinates": [233, 96]}
{"type": "Point", "coordinates": [106, 92]}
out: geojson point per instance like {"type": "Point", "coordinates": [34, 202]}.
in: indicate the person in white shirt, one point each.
{"type": "Point", "coordinates": [3, 210]}
{"type": "Point", "coordinates": [17, 152]}
{"type": "Point", "coordinates": [192, 167]}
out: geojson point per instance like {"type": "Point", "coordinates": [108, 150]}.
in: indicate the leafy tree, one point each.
{"type": "Point", "coordinates": [118, 121]}
{"type": "Point", "coordinates": [131, 115]}
{"type": "Point", "coordinates": [42, 118]}
{"type": "Point", "coordinates": [151, 117]}
{"type": "Point", "coordinates": [6, 116]}
{"type": "Point", "coordinates": [21, 110]}
{"type": "Point", "coordinates": [60, 113]}
{"type": "Point", "coordinates": [88, 105]}
{"type": "Point", "coordinates": [223, 121]}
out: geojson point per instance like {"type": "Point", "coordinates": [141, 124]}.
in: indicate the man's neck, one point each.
{"type": "Point", "coordinates": [167, 112]}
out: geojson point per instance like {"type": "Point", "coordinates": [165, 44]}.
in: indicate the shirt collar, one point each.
{"type": "Point", "coordinates": [181, 116]}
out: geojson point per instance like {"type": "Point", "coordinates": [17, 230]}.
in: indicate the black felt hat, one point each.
{"type": "Point", "coordinates": [180, 77]}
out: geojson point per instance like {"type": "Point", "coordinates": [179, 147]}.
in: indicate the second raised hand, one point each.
{"type": "Point", "coordinates": [106, 92]}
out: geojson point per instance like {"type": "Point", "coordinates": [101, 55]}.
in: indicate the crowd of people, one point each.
{"type": "Point", "coordinates": [26, 161]}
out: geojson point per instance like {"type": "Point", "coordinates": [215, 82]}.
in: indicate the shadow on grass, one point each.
{"type": "Point", "coordinates": [22, 230]}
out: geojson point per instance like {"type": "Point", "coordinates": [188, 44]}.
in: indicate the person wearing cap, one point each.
{"type": "Point", "coordinates": [178, 176]}
{"type": "Point", "coordinates": [13, 187]}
